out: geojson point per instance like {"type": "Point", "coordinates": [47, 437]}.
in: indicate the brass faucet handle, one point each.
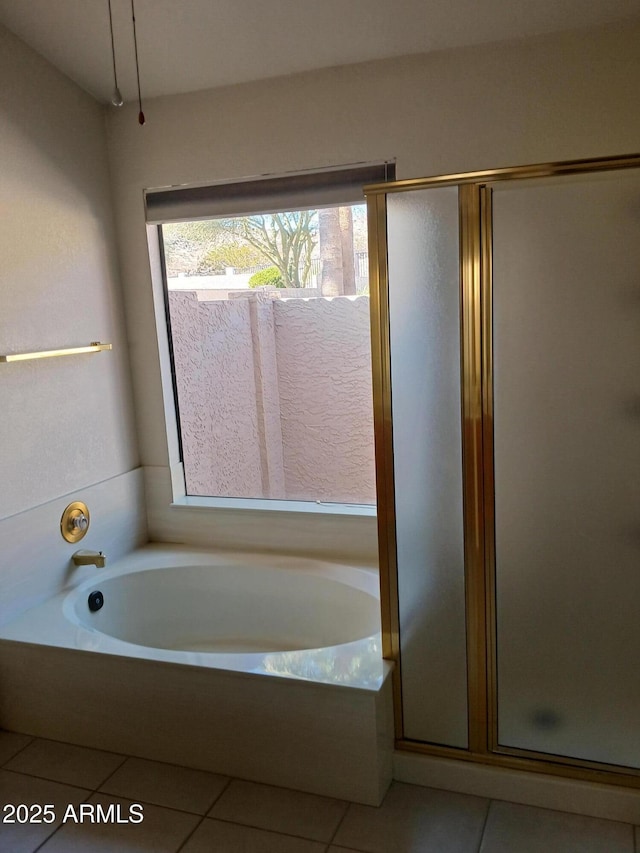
{"type": "Point", "coordinates": [75, 521]}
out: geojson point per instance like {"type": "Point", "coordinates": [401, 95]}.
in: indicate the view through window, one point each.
{"type": "Point", "coordinates": [269, 318]}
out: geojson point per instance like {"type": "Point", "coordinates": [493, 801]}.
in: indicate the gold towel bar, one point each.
{"type": "Point", "coordinates": [96, 346]}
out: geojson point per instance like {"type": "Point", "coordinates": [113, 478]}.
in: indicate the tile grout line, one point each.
{"type": "Point", "coordinates": [264, 829]}
{"type": "Point", "coordinates": [204, 816]}
{"type": "Point", "coordinates": [109, 775]}
{"type": "Point", "coordinates": [107, 794]}
{"type": "Point", "coordinates": [143, 802]}
{"type": "Point", "coordinates": [277, 831]}
{"type": "Point", "coordinates": [48, 779]}
{"type": "Point", "coordinates": [191, 834]}
{"type": "Point", "coordinates": [55, 781]}
{"type": "Point", "coordinates": [561, 811]}
{"type": "Point", "coordinates": [11, 757]}
{"type": "Point", "coordinates": [60, 825]}
{"type": "Point", "coordinates": [66, 743]}
{"type": "Point", "coordinates": [48, 838]}
{"type": "Point", "coordinates": [125, 758]}
{"type": "Point", "coordinates": [148, 803]}
{"type": "Point", "coordinates": [484, 826]}
{"type": "Point", "coordinates": [340, 822]}
{"type": "Point", "coordinates": [222, 791]}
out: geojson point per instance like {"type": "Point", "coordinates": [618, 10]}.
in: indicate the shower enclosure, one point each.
{"type": "Point", "coordinates": [507, 416]}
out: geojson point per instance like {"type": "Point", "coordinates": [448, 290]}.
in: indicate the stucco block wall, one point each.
{"type": "Point", "coordinates": [213, 354]}
{"type": "Point", "coordinates": [326, 409]}
{"type": "Point", "coordinates": [275, 397]}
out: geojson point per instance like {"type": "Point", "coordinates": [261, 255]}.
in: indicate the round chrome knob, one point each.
{"type": "Point", "coordinates": [79, 522]}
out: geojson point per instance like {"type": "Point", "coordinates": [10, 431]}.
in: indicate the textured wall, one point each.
{"type": "Point", "coordinates": [275, 397]}
{"type": "Point", "coordinates": [263, 337]}
{"type": "Point", "coordinates": [66, 423]}
{"type": "Point", "coordinates": [324, 377]}
{"type": "Point", "coordinates": [215, 375]}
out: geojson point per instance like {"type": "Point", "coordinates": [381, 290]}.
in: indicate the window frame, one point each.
{"type": "Point", "coordinates": [180, 499]}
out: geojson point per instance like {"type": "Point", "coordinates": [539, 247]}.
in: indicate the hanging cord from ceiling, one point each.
{"type": "Point", "coordinates": [116, 98]}
{"type": "Point", "coordinates": [141, 118]}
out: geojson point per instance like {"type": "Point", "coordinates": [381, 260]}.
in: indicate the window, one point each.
{"type": "Point", "coordinates": [268, 312]}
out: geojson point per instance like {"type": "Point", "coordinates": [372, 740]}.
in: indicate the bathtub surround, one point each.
{"type": "Point", "coordinates": [318, 720]}
{"type": "Point", "coordinates": [327, 740]}
{"type": "Point", "coordinates": [36, 560]}
{"type": "Point", "coordinates": [322, 532]}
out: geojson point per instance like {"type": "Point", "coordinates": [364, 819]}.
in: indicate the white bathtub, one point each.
{"type": "Point", "coordinates": [233, 604]}
{"type": "Point", "coordinates": [262, 667]}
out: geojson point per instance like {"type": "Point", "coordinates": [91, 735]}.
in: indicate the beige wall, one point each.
{"type": "Point", "coordinates": [548, 98]}
{"type": "Point", "coordinates": [67, 424]}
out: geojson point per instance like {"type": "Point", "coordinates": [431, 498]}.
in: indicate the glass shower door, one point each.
{"type": "Point", "coordinates": [424, 326]}
{"type": "Point", "coordinates": [566, 354]}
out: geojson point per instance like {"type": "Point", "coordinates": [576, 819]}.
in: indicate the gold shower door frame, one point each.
{"type": "Point", "coordinates": [475, 240]}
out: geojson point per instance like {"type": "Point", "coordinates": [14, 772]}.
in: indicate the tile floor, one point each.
{"type": "Point", "coordinates": [195, 812]}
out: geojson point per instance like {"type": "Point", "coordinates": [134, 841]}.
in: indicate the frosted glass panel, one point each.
{"type": "Point", "coordinates": [567, 465]}
{"type": "Point", "coordinates": [424, 311]}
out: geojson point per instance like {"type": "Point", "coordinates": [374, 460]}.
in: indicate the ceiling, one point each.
{"type": "Point", "coordinates": [185, 45]}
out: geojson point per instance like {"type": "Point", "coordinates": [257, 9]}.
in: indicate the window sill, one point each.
{"type": "Point", "coordinates": [309, 507]}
